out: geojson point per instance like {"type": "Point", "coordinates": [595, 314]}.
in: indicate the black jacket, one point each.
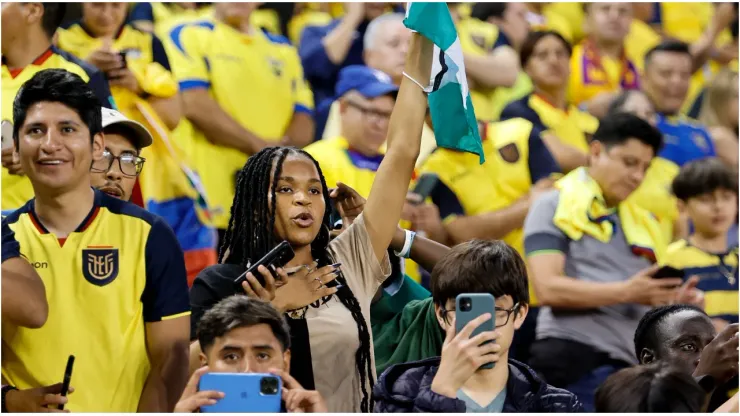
{"type": "Point", "coordinates": [407, 387]}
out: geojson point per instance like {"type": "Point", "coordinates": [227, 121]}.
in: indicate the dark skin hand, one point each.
{"type": "Point", "coordinates": [719, 358]}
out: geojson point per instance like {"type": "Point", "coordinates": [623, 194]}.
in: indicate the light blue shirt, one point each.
{"type": "Point", "coordinates": [496, 405]}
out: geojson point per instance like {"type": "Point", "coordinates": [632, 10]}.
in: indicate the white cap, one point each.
{"type": "Point", "coordinates": [142, 139]}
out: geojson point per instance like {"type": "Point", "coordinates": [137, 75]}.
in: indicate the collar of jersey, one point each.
{"type": "Point", "coordinates": [88, 32]}
{"type": "Point", "coordinates": [89, 218]}
{"type": "Point", "coordinates": [38, 61]}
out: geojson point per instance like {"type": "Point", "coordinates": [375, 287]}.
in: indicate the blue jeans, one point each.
{"type": "Point", "coordinates": [585, 388]}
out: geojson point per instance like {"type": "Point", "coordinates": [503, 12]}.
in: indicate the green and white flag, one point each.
{"type": "Point", "coordinates": [453, 117]}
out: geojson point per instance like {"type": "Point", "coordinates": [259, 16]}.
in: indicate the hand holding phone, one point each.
{"type": "Point", "coordinates": [242, 392]}
{"type": "Point", "coordinates": [67, 378]}
{"type": "Point", "coordinates": [668, 272]}
{"type": "Point", "coordinates": [277, 257]}
{"type": "Point", "coordinates": [469, 349]}
{"type": "Point", "coordinates": [425, 185]}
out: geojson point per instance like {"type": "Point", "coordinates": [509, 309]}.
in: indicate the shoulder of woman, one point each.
{"type": "Point", "coordinates": [720, 133]}
{"type": "Point", "coordinates": [218, 274]}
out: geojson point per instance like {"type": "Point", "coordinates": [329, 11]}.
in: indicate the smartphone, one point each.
{"type": "Point", "coordinates": [277, 257]}
{"type": "Point", "coordinates": [123, 59]}
{"type": "Point", "coordinates": [668, 272]}
{"type": "Point", "coordinates": [425, 185]}
{"type": "Point", "coordinates": [335, 218]}
{"type": "Point", "coordinates": [6, 129]}
{"type": "Point", "coordinates": [67, 378]}
{"type": "Point", "coordinates": [468, 307]}
{"type": "Point", "coordinates": [243, 392]}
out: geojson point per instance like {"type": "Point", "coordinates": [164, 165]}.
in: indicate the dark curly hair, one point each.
{"type": "Point", "coordinates": [251, 234]}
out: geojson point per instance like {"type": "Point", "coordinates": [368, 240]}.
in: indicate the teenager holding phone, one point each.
{"type": "Point", "coordinates": [455, 382]}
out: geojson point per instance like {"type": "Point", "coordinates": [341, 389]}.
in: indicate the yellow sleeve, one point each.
{"type": "Point", "coordinates": [185, 48]}
{"type": "Point", "coordinates": [302, 94]}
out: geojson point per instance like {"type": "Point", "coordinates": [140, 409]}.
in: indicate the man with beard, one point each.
{"type": "Point", "coordinates": [124, 140]}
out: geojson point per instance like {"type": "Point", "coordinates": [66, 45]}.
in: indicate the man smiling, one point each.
{"type": "Point", "coordinates": [124, 140]}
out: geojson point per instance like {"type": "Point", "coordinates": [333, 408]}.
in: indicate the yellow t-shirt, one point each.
{"type": "Point", "coordinates": [121, 269]}
{"type": "Point", "coordinates": [305, 19]}
{"type": "Point", "coordinates": [145, 57]}
{"type": "Point", "coordinates": [257, 79]}
{"type": "Point", "coordinates": [574, 127]}
{"type": "Point", "coordinates": [339, 163]}
{"type": "Point", "coordinates": [479, 39]}
{"type": "Point", "coordinates": [549, 20]}
{"type": "Point", "coordinates": [592, 74]}
{"type": "Point", "coordinates": [16, 190]}
{"type": "Point", "coordinates": [571, 12]}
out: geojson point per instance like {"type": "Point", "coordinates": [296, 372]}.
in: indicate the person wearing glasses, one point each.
{"type": "Point", "coordinates": [366, 98]}
{"type": "Point", "coordinates": [116, 172]}
{"type": "Point", "coordinates": [455, 382]}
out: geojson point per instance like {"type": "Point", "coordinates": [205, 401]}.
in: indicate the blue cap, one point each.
{"type": "Point", "coordinates": [369, 82]}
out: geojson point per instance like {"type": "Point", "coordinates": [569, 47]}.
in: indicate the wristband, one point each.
{"type": "Point", "coordinates": [3, 393]}
{"type": "Point", "coordinates": [406, 250]}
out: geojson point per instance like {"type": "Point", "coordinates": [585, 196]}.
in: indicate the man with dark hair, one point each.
{"type": "Point", "coordinates": [654, 388]}
{"type": "Point", "coordinates": [455, 382]}
{"type": "Point", "coordinates": [667, 75]}
{"type": "Point", "coordinates": [685, 338]}
{"type": "Point", "coordinates": [95, 253]}
{"type": "Point", "coordinates": [116, 172]}
{"type": "Point", "coordinates": [27, 30]}
{"type": "Point", "coordinates": [592, 253]}
{"type": "Point", "coordinates": [243, 335]}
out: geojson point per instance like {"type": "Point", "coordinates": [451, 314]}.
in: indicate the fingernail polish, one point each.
{"type": "Point", "coordinates": [335, 265]}
{"type": "Point", "coordinates": [338, 287]}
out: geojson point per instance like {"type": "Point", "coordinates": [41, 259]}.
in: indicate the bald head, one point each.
{"type": "Point", "coordinates": [386, 44]}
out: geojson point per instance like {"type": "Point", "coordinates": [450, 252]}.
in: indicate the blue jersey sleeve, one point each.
{"type": "Point", "coordinates": [166, 292]}
{"type": "Point", "coordinates": [446, 200]}
{"type": "Point", "coordinates": [11, 247]}
{"type": "Point", "coordinates": [541, 161]}
{"type": "Point", "coordinates": [315, 61]}
{"type": "Point", "coordinates": [521, 109]}
{"type": "Point", "coordinates": [141, 12]}
{"type": "Point", "coordinates": [158, 53]}
{"type": "Point", "coordinates": [99, 85]}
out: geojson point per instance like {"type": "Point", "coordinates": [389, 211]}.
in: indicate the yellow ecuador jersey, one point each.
{"type": "Point", "coordinates": [16, 190]}
{"type": "Point", "coordinates": [479, 39]}
{"type": "Point", "coordinates": [592, 74]}
{"type": "Point", "coordinates": [120, 269]}
{"type": "Point", "coordinates": [573, 127]}
{"type": "Point", "coordinates": [639, 41]}
{"type": "Point", "coordinates": [340, 163]}
{"type": "Point", "coordinates": [145, 57]}
{"type": "Point", "coordinates": [521, 159]}
{"type": "Point", "coordinates": [572, 12]}
{"type": "Point", "coordinates": [718, 276]}
{"type": "Point", "coordinates": [162, 15]}
{"type": "Point", "coordinates": [257, 79]}
{"type": "Point", "coordinates": [465, 187]}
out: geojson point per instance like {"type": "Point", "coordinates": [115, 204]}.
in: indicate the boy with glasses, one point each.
{"type": "Point", "coordinates": [455, 382]}
{"type": "Point", "coordinates": [116, 172]}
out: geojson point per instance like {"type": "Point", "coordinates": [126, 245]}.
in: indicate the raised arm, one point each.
{"type": "Point", "coordinates": [388, 194]}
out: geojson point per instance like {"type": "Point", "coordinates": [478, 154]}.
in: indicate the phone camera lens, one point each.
{"type": "Point", "coordinates": [466, 304]}
{"type": "Point", "coordinates": [269, 386]}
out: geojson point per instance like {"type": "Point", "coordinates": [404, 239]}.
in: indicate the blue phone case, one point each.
{"type": "Point", "coordinates": [480, 303]}
{"type": "Point", "coordinates": [242, 393]}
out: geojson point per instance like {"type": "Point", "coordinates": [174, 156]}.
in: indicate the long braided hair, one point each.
{"type": "Point", "coordinates": [251, 235]}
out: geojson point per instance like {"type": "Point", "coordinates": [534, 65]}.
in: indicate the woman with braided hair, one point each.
{"type": "Point", "coordinates": [327, 288]}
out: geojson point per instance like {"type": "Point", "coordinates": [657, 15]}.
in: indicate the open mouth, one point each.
{"type": "Point", "coordinates": [112, 191]}
{"type": "Point", "coordinates": [303, 220]}
{"type": "Point", "coordinates": [50, 162]}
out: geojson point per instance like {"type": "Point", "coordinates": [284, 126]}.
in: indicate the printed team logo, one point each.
{"type": "Point", "coordinates": [277, 66]}
{"type": "Point", "coordinates": [509, 153]}
{"type": "Point", "coordinates": [700, 141]}
{"type": "Point", "coordinates": [100, 264]}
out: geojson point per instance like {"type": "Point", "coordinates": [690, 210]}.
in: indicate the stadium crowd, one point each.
{"type": "Point", "coordinates": [153, 152]}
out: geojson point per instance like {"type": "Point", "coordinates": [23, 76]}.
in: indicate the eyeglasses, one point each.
{"type": "Point", "coordinates": [369, 112]}
{"type": "Point", "coordinates": [130, 165]}
{"type": "Point", "coordinates": [502, 315]}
